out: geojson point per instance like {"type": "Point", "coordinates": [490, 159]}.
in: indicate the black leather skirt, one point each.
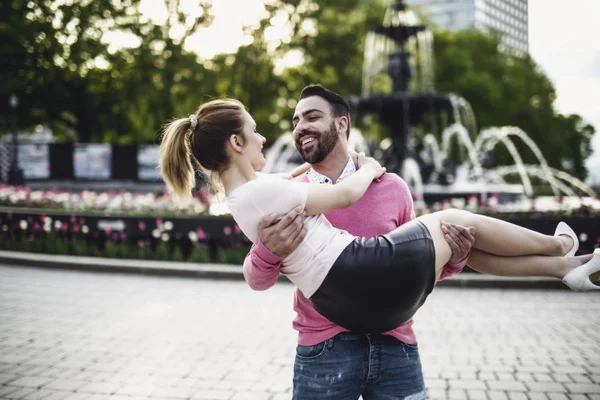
{"type": "Point", "coordinates": [377, 284]}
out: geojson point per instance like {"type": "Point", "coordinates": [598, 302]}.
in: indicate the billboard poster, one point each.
{"type": "Point", "coordinates": [147, 158]}
{"type": "Point", "coordinates": [92, 161]}
{"type": "Point", "coordinates": [34, 160]}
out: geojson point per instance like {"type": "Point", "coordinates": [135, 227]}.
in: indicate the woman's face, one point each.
{"type": "Point", "coordinates": [254, 143]}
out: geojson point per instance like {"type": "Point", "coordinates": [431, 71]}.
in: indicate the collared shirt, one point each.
{"type": "Point", "coordinates": [315, 177]}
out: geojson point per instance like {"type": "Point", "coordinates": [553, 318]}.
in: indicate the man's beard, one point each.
{"type": "Point", "coordinates": [326, 141]}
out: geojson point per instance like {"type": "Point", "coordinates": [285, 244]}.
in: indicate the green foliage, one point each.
{"type": "Point", "coordinates": [509, 90]}
{"type": "Point", "coordinates": [55, 60]}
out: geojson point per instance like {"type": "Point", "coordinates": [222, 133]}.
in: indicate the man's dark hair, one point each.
{"type": "Point", "coordinates": [339, 106]}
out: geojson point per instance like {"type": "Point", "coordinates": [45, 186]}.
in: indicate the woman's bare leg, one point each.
{"type": "Point", "coordinates": [493, 236]}
{"type": "Point", "coordinates": [554, 266]}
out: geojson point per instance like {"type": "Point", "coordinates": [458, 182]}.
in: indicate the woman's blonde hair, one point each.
{"type": "Point", "coordinates": [198, 140]}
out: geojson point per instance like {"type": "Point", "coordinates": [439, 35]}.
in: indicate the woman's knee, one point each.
{"type": "Point", "coordinates": [456, 216]}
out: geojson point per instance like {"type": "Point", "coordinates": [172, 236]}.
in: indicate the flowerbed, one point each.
{"type": "Point", "coordinates": [113, 202]}
{"type": "Point", "coordinates": [75, 235]}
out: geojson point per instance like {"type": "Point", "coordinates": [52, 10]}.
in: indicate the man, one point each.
{"type": "Point", "coordinates": [332, 363]}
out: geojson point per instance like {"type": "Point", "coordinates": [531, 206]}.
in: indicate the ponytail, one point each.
{"type": "Point", "coordinates": [175, 160]}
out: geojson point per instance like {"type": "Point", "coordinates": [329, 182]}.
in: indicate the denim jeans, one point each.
{"type": "Point", "coordinates": [378, 367]}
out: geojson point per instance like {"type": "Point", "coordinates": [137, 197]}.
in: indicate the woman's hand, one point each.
{"type": "Point", "coordinates": [370, 162]}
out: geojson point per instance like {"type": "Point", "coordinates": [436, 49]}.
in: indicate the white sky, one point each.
{"type": "Point", "coordinates": [563, 40]}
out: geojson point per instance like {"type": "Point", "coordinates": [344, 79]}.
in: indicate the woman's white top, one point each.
{"type": "Point", "coordinates": [308, 265]}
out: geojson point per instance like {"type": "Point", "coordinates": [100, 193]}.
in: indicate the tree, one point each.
{"type": "Point", "coordinates": [506, 89]}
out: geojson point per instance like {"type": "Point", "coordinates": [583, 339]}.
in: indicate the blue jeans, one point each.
{"type": "Point", "coordinates": [378, 367]}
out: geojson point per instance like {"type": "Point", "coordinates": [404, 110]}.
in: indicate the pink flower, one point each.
{"type": "Point", "coordinates": [107, 230]}
{"type": "Point", "coordinates": [237, 229]}
{"type": "Point", "coordinates": [81, 221]}
{"type": "Point", "coordinates": [140, 243]}
{"type": "Point", "coordinates": [75, 228]}
{"type": "Point", "coordinates": [141, 225]}
{"type": "Point", "coordinates": [73, 219]}
{"type": "Point", "coordinates": [227, 230]}
{"type": "Point", "coordinates": [30, 219]}
{"type": "Point", "coordinates": [201, 234]}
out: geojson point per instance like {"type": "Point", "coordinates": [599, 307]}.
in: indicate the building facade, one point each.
{"type": "Point", "coordinates": [506, 16]}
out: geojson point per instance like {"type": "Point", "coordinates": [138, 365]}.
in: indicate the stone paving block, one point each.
{"type": "Point", "coordinates": [580, 397]}
{"type": "Point", "coordinates": [497, 395]}
{"type": "Point", "coordinates": [212, 395]}
{"type": "Point", "coordinates": [6, 390]}
{"type": "Point", "coordinates": [581, 378]}
{"type": "Point", "coordinates": [507, 385]}
{"type": "Point", "coordinates": [476, 395]}
{"type": "Point", "coordinates": [487, 376]}
{"type": "Point", "coordinates": [557, 396]}
{"type": "Point", "coordinates": [517, 396]}
{"type": "Point", "coordinates": [100, 388]}
{"type": "Point", "coordinates": [537, 396]}
{"type": "Point", "coordinates": [46, 395]}
{"type": "Point", "coordinates": [248, 396]}
{"type": "Point", "coordinates": [567, 369]}
{"type": "Point", "coordinates": [436, 394]}
{"type": "Point", "coordinates": [543, 377]}
{"type": "Point", "coordinates": [436, 384]}
{"type": "Point", "coordinates": [583, 388]}
{"type": "Point", "coordinates": [456, 394]}
{"type": "Point", "coordinates": [545, 387]}
{"type": "Point", "coordinates": [466, 384]}
{"type": "Point", "coordinates": [562, 378]}
{"type": "Point", "coordinates": [65, 384]}
{"type": "Point", "coordinates": [30, 381]}
{"type": "Point", "coordinates": [281, 396]}
{"type": "Point", "coordinates": [20, 393]}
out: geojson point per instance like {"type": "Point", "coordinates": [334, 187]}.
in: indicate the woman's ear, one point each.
{"type": "Point", "coordinates": [236, 143]}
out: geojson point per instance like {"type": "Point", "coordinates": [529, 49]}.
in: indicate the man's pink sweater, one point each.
{"type": "Point", "coordinates": [385, 206]}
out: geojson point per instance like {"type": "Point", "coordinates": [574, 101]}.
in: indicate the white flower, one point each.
{"type": "Point", "coordinates": [57, 224]}
{"type": "Point", "coordinates": [156, 233]}
{"type": "Point", "coordinates": [23, 224]}
{"type": "Point", "coordinates": [165, 237]}
{"type": "Point", "coordinates": [4, 228]}
{"type": "Point", "coordinates": [168, 225]}
{"type": "Point", "coordinates": [85, 229]}
{"type": "Point", "coordinates": [193, 236]}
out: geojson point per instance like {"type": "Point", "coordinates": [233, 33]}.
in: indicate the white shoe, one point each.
{"type": "Point", "coordinates": [564, 229]}
{"type": "Point", "coordinates": [579, 278]}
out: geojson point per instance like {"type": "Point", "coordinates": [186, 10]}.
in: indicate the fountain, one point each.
{"type": "Point", "coordinates": [399, 58]}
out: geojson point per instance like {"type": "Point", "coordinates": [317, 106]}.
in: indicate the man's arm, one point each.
{"type": "Point", "coordinates": [276, 241]}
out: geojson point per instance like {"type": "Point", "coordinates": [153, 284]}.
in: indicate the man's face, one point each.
{"type": "Point", "coordinates": [315, 133]}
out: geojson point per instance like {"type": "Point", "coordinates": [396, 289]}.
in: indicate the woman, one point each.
{"type": "Point", "coordinates": [362, 284]}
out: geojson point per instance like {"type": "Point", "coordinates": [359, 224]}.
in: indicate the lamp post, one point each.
{"type": "Point", "coordinates": [15, 174]}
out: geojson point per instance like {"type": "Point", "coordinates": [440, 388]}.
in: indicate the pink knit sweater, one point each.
{"type": "Point", "coordinates": [385, 206]}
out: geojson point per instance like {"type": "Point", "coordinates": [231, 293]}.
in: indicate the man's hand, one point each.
{"type": "Point", "coordinates": [281, 238]}
{"type": "Point", "coordinates": [460, 239]}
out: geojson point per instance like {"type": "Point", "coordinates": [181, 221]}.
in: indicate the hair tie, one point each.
{"type": "Point", "coordinates": [193, 121]}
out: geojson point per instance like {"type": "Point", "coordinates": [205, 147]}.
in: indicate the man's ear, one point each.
{"type": "Point", "coordinates": [236, 143]}
{"type": "Point", "coordinates": [342, 124]}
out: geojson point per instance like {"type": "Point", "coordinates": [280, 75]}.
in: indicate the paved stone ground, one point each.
{"type": "Point", "coordinates": [81, 335]}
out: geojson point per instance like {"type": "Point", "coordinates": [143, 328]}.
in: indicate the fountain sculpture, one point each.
{"type": "Point", "coordinates": [399, 55]}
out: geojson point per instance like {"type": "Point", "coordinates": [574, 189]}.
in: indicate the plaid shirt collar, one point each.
{"type": "Point", "coordinates": [315, 177]}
